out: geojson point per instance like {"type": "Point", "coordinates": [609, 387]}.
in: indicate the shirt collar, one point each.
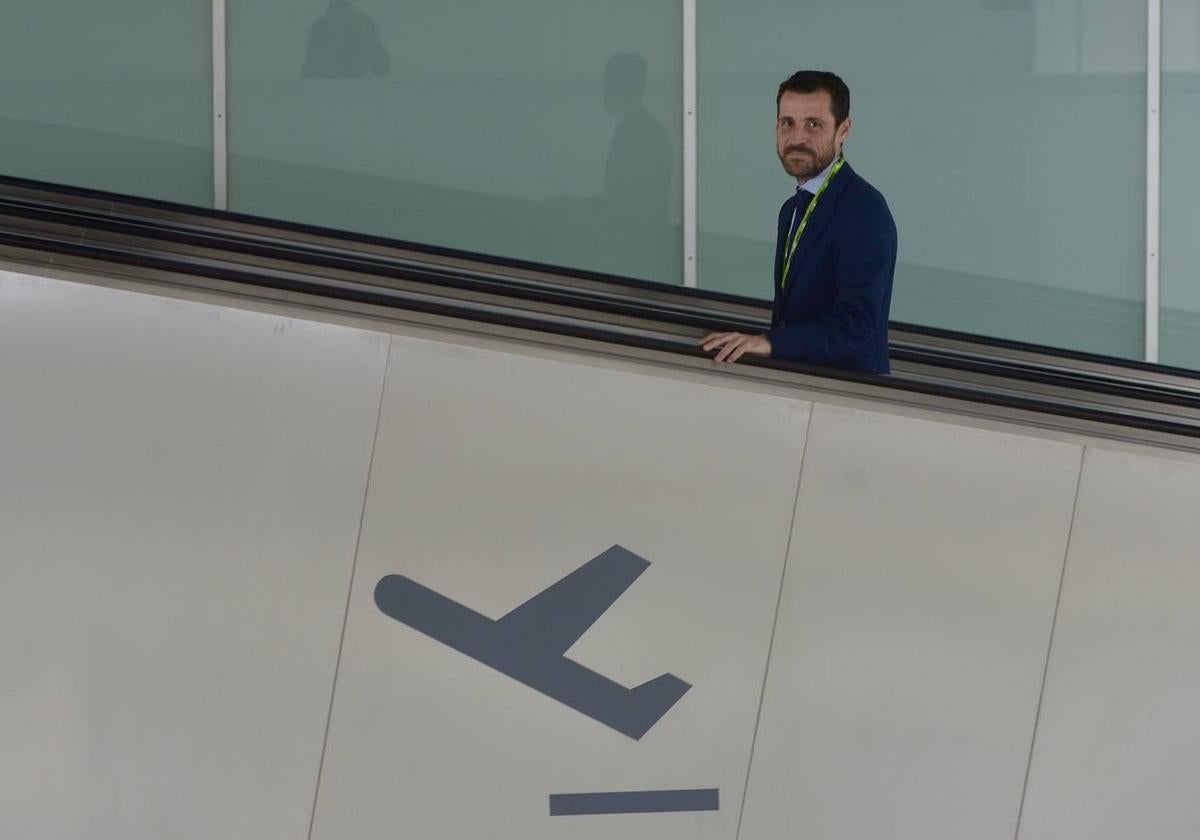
{"type": "Point", "coordinates": [814, 183]}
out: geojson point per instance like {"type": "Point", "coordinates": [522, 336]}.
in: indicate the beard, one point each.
{"type": "Point", "coordinates": [804, 162]}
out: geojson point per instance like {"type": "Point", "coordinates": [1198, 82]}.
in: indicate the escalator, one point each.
{"type": "Point", "coordinates": [307, 534]}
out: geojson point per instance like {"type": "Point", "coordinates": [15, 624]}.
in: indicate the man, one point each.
{"type": "Point", "coordinates": [836, 249]}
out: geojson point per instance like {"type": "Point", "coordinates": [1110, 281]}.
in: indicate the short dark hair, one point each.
{"type": "Point", "coordinates": [811, 81]}
{"type": "Point", "coordinates": [626, 73]}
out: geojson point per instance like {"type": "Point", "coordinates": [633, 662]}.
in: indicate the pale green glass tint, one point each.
{"type": "Point", "coordinates": [542, 130]}
{"type": "Point", "coordinates": [113, 95]}
{"type": "Point", "coordinates": [1180, 269]}
{"type": "Point", "coordinates": [1008, 137]}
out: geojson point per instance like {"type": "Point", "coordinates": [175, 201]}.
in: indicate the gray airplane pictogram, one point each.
{"type": "Point", "coordinates": [529, 643]}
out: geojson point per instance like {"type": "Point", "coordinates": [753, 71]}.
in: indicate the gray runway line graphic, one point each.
{"type": "Point", "coordinates": [634, 802]}
{"type": "Point", "coordinates": [528, 644]}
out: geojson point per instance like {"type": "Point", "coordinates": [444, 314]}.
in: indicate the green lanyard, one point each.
{"type": "Point", "coordinates": [804, 221]}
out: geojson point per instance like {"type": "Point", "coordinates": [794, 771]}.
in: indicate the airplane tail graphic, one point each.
{"type": "Point", "coordinates": [653, 699]}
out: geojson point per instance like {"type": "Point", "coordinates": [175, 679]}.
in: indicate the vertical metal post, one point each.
{"type": "Point", "coordinates": [219, 109]}
{"type": "Point", "coordinates": [1153, 172]}
{"type": "Point", "coordinates": [689, 143]}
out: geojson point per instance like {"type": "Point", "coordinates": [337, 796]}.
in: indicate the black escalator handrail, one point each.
{"type": "Point", "coordinates": [993, 347]}
{"type": "Point", "coordinates": [1049, 376]}
{"type": "Point", "coordinates": [208, 232]}
{"type": "Point", "coordinates": [120, 204]}
{"type": "Point", "coordinates": [165, 212]}
{"type": "Point", "coordinates": [272, 248]}
{"type": "Point", "coordinates": [201, 231]}
{"type": "Point", "coordinates": [168, 213]}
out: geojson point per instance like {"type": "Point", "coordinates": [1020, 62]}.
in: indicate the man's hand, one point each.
{"type": "Point", "coordinates": [735, 345]}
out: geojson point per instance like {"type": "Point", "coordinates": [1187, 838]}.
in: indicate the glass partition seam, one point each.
{"type": "Point", "coordinates": [1153, 171]}
{"type": "Point", "coordinates": [690, 138]}
{"type": "Point", "coordinates": [219, 100]}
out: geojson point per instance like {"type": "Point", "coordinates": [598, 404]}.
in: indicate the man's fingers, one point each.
{"type": "Point", "coordinates": [735, 345]}
{"type": "Point", "coordinates": [742, 348]}
{"type": "Point", "coordinates": [730, 347]}
{"type": "Point", "coordinates": [724, 345]}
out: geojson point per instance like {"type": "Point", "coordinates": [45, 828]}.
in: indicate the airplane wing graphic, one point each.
{"type": "Point", "coordinates": [555, 618]}
{"type": "Point", "coordinates": [528, 643]}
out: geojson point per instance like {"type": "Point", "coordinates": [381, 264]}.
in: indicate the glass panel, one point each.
{"type": "Point", "coordinates": [113, 95]}
{"type": "Point", "coordinates": [1008, 137]}
{"type": "Point", "coordinates": [544, 130]}
{"type": "Point", "coordinates": [1180, 314]}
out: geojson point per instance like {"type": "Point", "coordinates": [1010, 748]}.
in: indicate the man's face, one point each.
{"type": "Point", "coordinates": [805, 136]}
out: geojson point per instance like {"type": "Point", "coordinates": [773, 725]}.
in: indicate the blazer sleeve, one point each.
{"type": "Point", "coordinates": [862, 280]}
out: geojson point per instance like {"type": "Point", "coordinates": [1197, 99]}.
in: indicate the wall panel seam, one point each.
{"type": "Point", "coordinates": [387, 362]}
{"type": "Point", "coordinates": [812, 410]}
{"type": "Point", "coordinates": [1062, 577]}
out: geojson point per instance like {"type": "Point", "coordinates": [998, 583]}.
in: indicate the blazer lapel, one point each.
{"type": "Point", "coordinates": [783, 222]}
{"type": "Point", "coordinates": [817, 223]}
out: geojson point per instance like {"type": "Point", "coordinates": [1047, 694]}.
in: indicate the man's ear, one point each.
{"type": "Point", "coordinates": [843, 131]}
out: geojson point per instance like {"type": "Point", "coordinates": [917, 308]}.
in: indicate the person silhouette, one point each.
{"type": "Point", "coordinates": [637, 173]}
{"type": "Point", "coordinates": [344, 43]}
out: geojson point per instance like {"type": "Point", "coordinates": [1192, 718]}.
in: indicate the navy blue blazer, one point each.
{"type": "Point", "coordinates": [833, 309]}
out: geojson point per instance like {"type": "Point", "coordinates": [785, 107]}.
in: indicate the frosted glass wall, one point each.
{"type": "Point", "coordinates": [1007, 135]}
{"type": "Point", "coordinates": [544, 130]}
{"type": "Point", "coordinates": [1181, 184]}
{"type": "Point", "coordinates": [113, 95]}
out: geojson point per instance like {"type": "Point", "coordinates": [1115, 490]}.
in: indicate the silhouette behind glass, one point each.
{"type": "Point", "coordinates": [344, 43]}
{"type": "Point", "coordinates": [637, 174]}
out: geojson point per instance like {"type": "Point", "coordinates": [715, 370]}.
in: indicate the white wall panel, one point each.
{"type": "Point", "coordinates": [913, 631]}
{"type": "Point", "coordinates": [1118, 745]}
{"type": "Point", "coordinates": [496, 475]}
{"type": "Point", "coordinates": [181, 487]}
